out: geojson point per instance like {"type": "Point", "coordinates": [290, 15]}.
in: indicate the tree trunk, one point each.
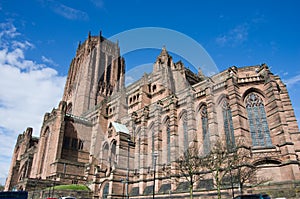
{"type": "Point", "coordinates": [219, 191]}
{"type": "Point", "coordinates": [191, 191]}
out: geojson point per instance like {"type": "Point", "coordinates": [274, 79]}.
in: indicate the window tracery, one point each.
{"type": "Point", "coordinates": [228, 125]}
{"type": "Point", "coordinates": [205, 133]}
{"type": "Point", "coordinates": [168, 143]}
{"type": "Point", "coordinates": [185, 132]}
{"type": "Point", "coordinates": [258, 124]}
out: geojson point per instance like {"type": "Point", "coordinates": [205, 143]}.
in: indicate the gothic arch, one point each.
{"type": "Point", "coordinates": [200, 105]}
{"type": "Point", "coordinates": [221, 98]}
{"type": "Point", "coordinates": [137, 132]}
{"type": "Point", "coordinates": [150, 126]}
{"type": "Point", "coordinates": [104, 189]}
{"type": "Point", "coordinates": [105, 152]}
{"type": "Point", "coordinates": [204, 136]}
{"type": "Point", "coordinates": [112, 142]}
{"type": "Point", "coordinates": [113, 152]}
{"type": "Point", "coordinates": [166, 120]}
{"type": "Point", "coordinates": [151, 142]}
{"type": "Point", "coordinates": [166, 136]}
{"type": "Point", "coordinates": [44, 149]}
{"type": "Point", "coordinates": [181, 114]}
{"type": "Point", "coordinates": [228, 129]}
{"type": "Point", "coordinates": [138, 141]}
{"type": "Point", "coordinates": [183, 130]}
{"type": "Point", "coordinates": [253, 90]}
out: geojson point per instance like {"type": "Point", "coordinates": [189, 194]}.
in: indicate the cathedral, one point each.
{"type": "Point", "coordinates": [119, 140]}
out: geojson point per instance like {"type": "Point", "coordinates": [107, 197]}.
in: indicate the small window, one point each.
{"type": "Point", "coordinates": [80, 145]}
{"type": "Point", "coordinates": [154, 88]}
{"type": "Point", "coordinates": [69, 108]}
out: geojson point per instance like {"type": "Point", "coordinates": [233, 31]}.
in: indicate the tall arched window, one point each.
{"type": "Point", "coordinates": [105, 191]}
{"type": "Point", "coordinates": [105, 153]}
{"type": "Point", "coordinates": [185, 132]}
{"type": "Point", "coordinates": [113, 157]}
{"type": "Point", "coordinates": [153, 144]}
{"type": "Point", "coordinates": [168, 143]}
{"type": "Point", "coordinates": [259, 129]}
{"type": "Point", "coordinates": [228, 125]}
{"type": "Point", "coordinates": [45, 148]}
{"type": "Point", "coordinates": [205, 133]}
{"type": "Point", "coordinates": [139, 153]}
{"type": "Point", "coordinates": [69, 108]}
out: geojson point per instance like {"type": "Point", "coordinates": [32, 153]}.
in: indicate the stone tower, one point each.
{"type": "Point", "coordinates": [95, 73]}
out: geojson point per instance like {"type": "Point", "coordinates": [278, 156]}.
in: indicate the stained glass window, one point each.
{"type": "Point", "coordinates": [205, 133]}
{"type": "Point", "coordinates": [185, 132]}
{"type": "Point", "coordinates": [168, 143]}
{"type": "Point", "coordinates": [139, 152]}
{"type": "Point", "coordinates": [259, 129]}
{"type": "Point", "coordinates": [228, 125]}
{"type": "Point", "coordinates": [153, 143]}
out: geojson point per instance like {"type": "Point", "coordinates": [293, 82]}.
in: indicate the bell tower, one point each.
{"type": "Point", "coordinates": [96, 71]}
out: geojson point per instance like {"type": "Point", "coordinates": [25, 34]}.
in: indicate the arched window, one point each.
{"type": "Point", "coordinates": [105, 153]}
{"type": "Point", "coordinates": [259, 129]}
{"type": "Point", "coordinates": [105, 191]}
{"type": "Point", "coordinates": [113, 153]}
{"type": "Point", "coordinates": [80, 145]}
{"type": "Point", "coordinates": [69, 108]}
{"type": "Point", "coordinates": [139, 153]}
{"type": "Point", "coordinates": [205, 133]}
{"type": "Point", "coordinates": [228, 125]}
{"type": "Point", "coordinates": [168, 143]}
{"type": "Point", "coordinates": [45, 148]}
{"type": "Point", "coordinates": [153, 143]}
{"type": "Point", "coordinates": [185, 132]}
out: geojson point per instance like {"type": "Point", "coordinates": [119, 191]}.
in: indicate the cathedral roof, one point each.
{"type": "Point", "coordinates": [120, 127]}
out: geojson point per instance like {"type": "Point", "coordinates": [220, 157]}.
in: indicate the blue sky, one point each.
{"type": "Point", "coordinates": [38, 39]}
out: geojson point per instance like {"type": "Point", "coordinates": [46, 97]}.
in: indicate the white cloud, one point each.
{"type": "Point", "coordinates": [49, 61]}
{"type": "Point", "coordinates": [233, 37]}
{"type": "Point", "coordinates": [28, 90]}
{"type": "Point", "coordinates": [65, 11]}
{"type": "Point", "coordinates": [292, 81]}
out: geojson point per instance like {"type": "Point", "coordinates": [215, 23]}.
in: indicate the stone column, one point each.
{"type": "Point", "coordinates": [237, 107]}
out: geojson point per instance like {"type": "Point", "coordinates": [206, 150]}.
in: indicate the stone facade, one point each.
{"type": "Point", "coordinates": [104, 134]}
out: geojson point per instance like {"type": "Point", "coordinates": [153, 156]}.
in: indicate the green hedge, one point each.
{"type": "Point", "coordinates": [76, 187]}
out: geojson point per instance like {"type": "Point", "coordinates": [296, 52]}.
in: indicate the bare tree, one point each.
{"type": "Point", "coordinates": [243, 167]}
{"type": "Point", "coordinates": [190, 164]}
{"type": "Point", "coordinates": [218, 163]}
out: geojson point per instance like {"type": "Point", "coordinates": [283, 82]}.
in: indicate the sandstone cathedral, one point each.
{"type": "Point", "coordinates": [111, 137]}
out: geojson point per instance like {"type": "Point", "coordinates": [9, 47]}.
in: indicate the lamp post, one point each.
{"type": "Point", "coordinates": [154, 171]}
